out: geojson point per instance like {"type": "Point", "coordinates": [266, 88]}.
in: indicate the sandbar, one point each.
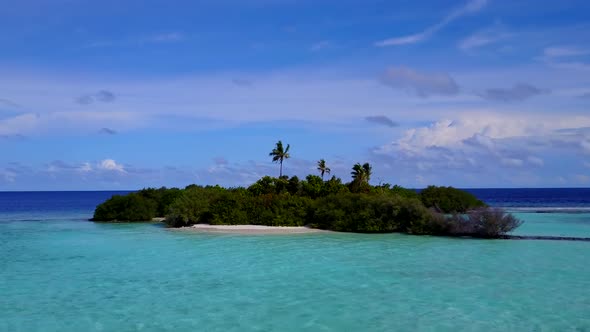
{"type": "Point", "coordinates": [252, 229]}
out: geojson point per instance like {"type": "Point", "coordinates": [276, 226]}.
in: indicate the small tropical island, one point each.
{"type": "Point", "coordinates": [315, 203]}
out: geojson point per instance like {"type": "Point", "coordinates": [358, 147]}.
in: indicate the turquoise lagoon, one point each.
{"type": "Point", "coordinates": [67, 274]}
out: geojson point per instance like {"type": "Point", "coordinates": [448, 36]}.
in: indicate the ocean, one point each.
{"type": "Point", "coordinates": [60, 272]}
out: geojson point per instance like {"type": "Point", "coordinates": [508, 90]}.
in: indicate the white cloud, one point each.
{"type": "Point", "coordinates": [199, 102]}
{"type": "Point", "coordinates": [536, 161]}
{"type": "Point", "coordinates": [486, 126]}
{"type": "Point", "coordinates": [481, 142]}
{"type": "Point", "coordinates": [85, 167]}
{"type": "Point", "coordinates": [422, 84]}
{"type": "Point", "coordinates": [8, 176]}
{"type": "Point", "coordinates": [485, 37]}
{"type": "Point", "coordinates": [107, 174]}
{"type": "Point", "coordinates": [472, 6]}
{"type": "Point", "coordinates": [102, 175]}
{"type": "Point", "coordinates": [72, 121]}
{"type": "Point", "coordinates": [330, 99]}
{"type": "Point", "coordinates": [564, 51]}
{"type": "Point", "coordinates": [566, 57]}
{"type": "Point", "coordinates": [411, 39]}
{"type": "Point", "coordinates": [512, 162]}
{"type": "Point", "coordinates": [110, 165]}
{"type": "Point", "coordinates": [19, 124]}
{"type": "Point", "coordinates": [572, 65]}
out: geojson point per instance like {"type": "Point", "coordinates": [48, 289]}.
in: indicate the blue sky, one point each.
{"type": "Point", "coordinates": [127, 94]}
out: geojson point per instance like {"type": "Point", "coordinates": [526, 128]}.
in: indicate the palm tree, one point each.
{"type": "Point", "coordinates": [323, 168]}
{"type": "Point", "coordinates": [362, 173]}
{"type": "Point", "coordinates": [368, 171]}
{"type": "Point", "coordinates": [357, 172]}
{"type": "Point", "coordinates": [279, 154]}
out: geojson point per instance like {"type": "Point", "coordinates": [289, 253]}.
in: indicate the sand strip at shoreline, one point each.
{"type": "Point", "coordinates": [252, 229]}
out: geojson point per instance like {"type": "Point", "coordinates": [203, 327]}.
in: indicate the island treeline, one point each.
{"type": "Point", "coordinates": [356, 206]}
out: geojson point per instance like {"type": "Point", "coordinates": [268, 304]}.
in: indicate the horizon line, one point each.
{"type": "Point", "coordinates": [132, 190]}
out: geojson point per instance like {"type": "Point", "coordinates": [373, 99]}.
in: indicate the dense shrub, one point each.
{"type": "Point", "coordinates": [334, 186]}
{"type": "Point", "coordinates": [192, 206]}
{"type": "Point", "coordinates": [237, 207]}
{"type": "Point", "coordinates": [449, 199]}
{"type": "Point", "coordinates": [294, 186]}
{"type": "Point", "coordinates": [359, 187]}
{"type": "Point", "coordinates": [312, 186]}
{"type": "Point", "coordinates": [229, 209]}
{"type": "Point", "coordinates": [268, 185]}
{"type": "Point", "coordinates": [132, 207]}
{"type": "Point", "coordinates": [143, 205]}
{"type": "Point", "coordinates": [163, 197]}
{"type": "Point", "coordinates": [278, 210]}
{"type": "Point", "coordinates": [403, 192]}
{"type": "Point", "coordinates": [369, 213]}
{"type": "Point", "coordinates": [484, 223]}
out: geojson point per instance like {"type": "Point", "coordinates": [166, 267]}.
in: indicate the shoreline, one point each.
{"type": "Point", "coordinates": [252, 229]}
{"type": "Point", "coordinates": [261, 230]}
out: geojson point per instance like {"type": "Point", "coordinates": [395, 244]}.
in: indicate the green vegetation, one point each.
{"type": "Point", "coordinates": [361, 175]}
{"type": "Point", "coordinates": [132, 207]}
{"type": "Point", "coordinates": [323, 168]}
{"type": "Point", "coordinates": [279, 154]}
{"type": "Point", "coordinates": [356, 206]}
{"type": "Point", "coordinates": [143, 205]}
{"type": "Point", "coordinates": [449, 199]}
{"type": "Point", "coordinates": [370, 213]}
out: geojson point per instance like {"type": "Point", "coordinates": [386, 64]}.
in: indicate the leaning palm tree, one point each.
{"type": "Point", "coordinates": [362, 173]}
{"type": "Point", "coordinates": [279, 154]}
{"type": "Point", "coordinates": [323, 168]}
{"type": "Point", "coordinates": [358, 173]}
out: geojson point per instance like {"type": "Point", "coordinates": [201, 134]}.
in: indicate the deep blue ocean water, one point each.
{"type": "Point", "coordinates": [542, 199]}
{"type": "Point", "coordinates": [60, 272]}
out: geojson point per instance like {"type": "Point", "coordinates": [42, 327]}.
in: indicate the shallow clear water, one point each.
{"type": "Point", "coordinates": [554, 224]}
{"type": "Point", "coordinates": [67, 274]}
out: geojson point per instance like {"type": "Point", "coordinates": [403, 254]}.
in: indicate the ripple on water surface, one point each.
{"type": "Point", "coordinates": [80, 276]}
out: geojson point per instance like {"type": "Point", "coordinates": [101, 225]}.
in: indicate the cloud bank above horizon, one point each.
{"type": "Point", "coordinates": [474, 97]}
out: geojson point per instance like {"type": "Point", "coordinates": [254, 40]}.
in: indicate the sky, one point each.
{"type": "Point", "coordinates": [106, 95]}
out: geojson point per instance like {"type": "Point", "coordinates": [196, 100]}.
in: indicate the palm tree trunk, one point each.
{"type": "Point", "coordinates": [281, 171]}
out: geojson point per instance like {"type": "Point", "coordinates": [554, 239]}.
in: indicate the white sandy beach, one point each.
{"type": "Point", "coordinates": [252, 229]}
